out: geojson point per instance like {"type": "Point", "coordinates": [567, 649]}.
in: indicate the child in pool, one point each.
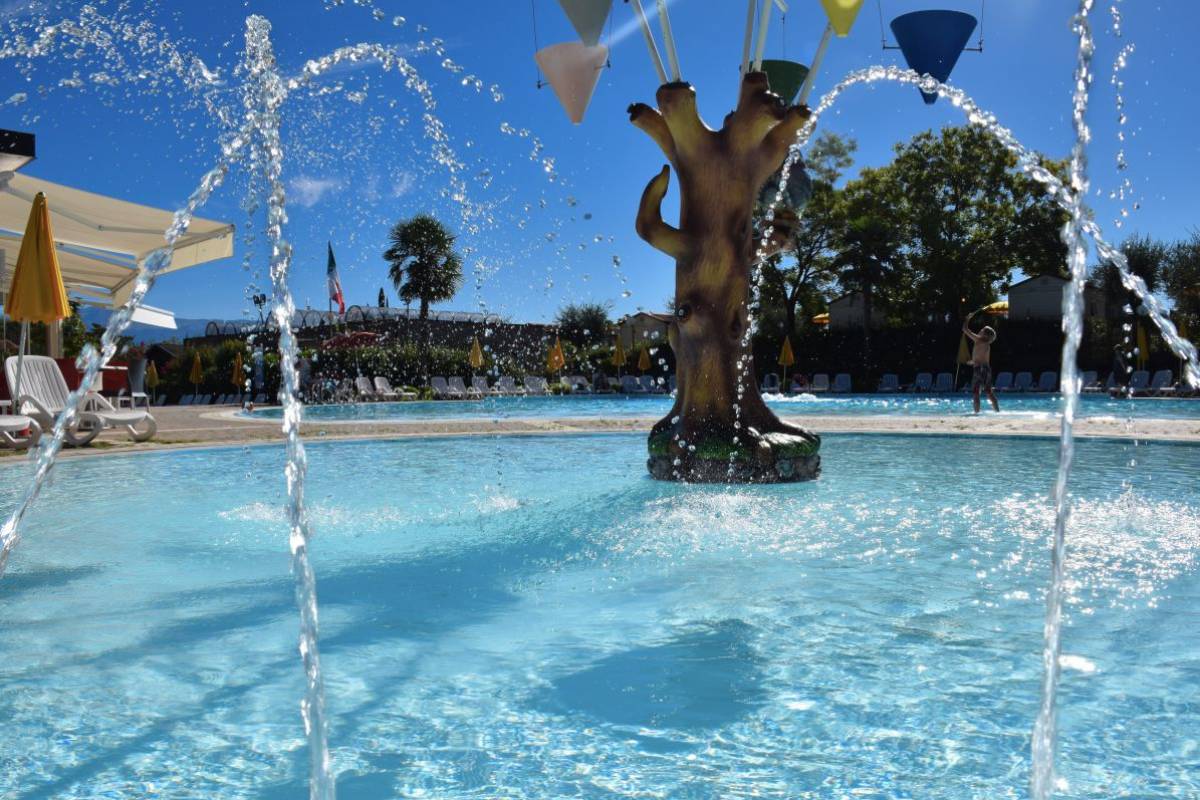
{"type": "Point", "coordinates": [981, 360]}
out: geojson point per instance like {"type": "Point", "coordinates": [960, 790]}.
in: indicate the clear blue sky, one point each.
{"type": "Point", "coordinates": [357, 160]}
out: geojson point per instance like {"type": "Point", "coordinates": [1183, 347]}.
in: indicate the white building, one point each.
{"type": "Point", "coordinates": [643, 327]}
{"type": "Point", "coordinates": [848, 311]}
{"type": "Point", "coordinates": [1041, 297]}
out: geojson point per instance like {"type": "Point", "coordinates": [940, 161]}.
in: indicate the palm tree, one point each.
{"type": "Point", "coordinates": [423, 264]}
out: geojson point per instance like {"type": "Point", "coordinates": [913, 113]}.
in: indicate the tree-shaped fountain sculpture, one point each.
{"type": "Point", "coordinates": [719, 428]}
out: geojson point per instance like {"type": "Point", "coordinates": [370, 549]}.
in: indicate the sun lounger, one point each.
{"type": "Point", "coordinates": [44, 394]}
{"type": "Point", "coordinates": [1048, 382]}
{"type": "Point", "coordinates": [631, 385]}
{"type": "Point", "coordinates": [923, 382]}
{"type": "Point", "coordinates": [260, 399]}
{"type": "Point", "coordinates": [1139, 383]}
{"type": "Point", "coordinates": [579, 384]}
{"type": "Point", "coordinates": [841, 383]}
{"type": "Point", "coordinates": [19, 431]}
{"type": "Point", "coordinates": [671, 384]}
{"type": "Point", "coordinates": [1089, 381]}
{"type": "Point", "coordinates": [1112, 384]}
{"type": "Point", "coordinates": [1023, 382]}
{"type": "Point", "coordinates": [460, 387]}
{"type": "Point", "coordinates": [479, 384]}
{"type": "Point", "coordinates": [770, 384]}
{"type": "Point", "coordinates": [384, 388]}
{"type": "Point", "coordinates": [889, 382]}
{"type": "Point", "coordinates": [1004, 382]}
{"type": "Point", "coordinates": [444, 391]}
{"type": "Point", "coordinates": [161, 400]}
{"type": "Point", "coordinates": [820, 383]}
{"type": "Point", "coordinates": [651, 385]}
{"type": "Point", "coordinates": [507, 386]}
{"type": "Point", "coordinates": [363, 389]}
{"type": "Point", "coordinates": [536, 384]}
{"type": "Point", "coordinates": [944, 382]}
{"type": "Point", "coordinates": [1161, 384]}
{"type": "Point", "coordinates": [186, 400]}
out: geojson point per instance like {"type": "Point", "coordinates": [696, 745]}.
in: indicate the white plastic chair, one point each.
{"type": "Point", "coordinates": [889, 382]}
{"type": "Point", "coordinates": [1048, 381]}
{"type": "Point", "coordinates": [944, 382]}
{"type": "Point", "coordinates": [1004, 382]}
{"type": "Point", "coordinates": [820, 383]}
{"type": "Point", "coordinates": [770, 383]}
{"type": "Point", "coordinates": [1023, 382]}
{"type": "Point", "coordinates": [44, 394]}
{"type": "Point", "coordinates": [923, 382]}
{"type": "Point", "coordinates": [841, 383]}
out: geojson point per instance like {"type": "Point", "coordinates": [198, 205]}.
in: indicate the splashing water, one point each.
{"type": "Point", "coordinates": [265, 95]}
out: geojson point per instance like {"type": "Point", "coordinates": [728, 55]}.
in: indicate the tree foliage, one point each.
{"type": "Point", "coordinates": [829, 156]}
{"type": "Point", "coordinates": [970, 218]}
{"type": "Point", "coordinates": [583, 324]}
{"type": "Point", "coordinates": [1181, 275]}
{"type": "Point", "coordinates": [423, 264]}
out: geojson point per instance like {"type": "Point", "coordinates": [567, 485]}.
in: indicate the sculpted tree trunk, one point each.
{"type": "Point", "coordinates": [711, 434]}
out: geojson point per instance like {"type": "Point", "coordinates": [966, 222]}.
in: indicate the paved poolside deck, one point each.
{"type": "Point", "coordinates": [184, 426]}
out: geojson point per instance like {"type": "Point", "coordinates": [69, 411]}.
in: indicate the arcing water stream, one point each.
{"type": "Point", "coordinates": [265, 93]}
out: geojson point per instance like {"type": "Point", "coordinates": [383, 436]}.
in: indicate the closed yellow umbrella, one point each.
{"type": "Point", "coordinates": [238, 376]}
{"type": "Point", "coordinates": [644, 359]}
{"type": "Point", "coordinates": [555, 360]}
{"type": "Point", "coordinates": [152, 380]}
{"type": "Point", "coordinates": [1143, 346]}
{"type": "Point", "coordinates": [618, 356]}
{"type": "Point", "coordinates": [197, 375]}
{"type": "Point", "coordinates": [476, 357]}
{"type": "Point", "coordinates": [964, 357]}
{"type": "Point", "coordinates": [786, 359]}
{"type": "Point", "coordinates": [37, 293]}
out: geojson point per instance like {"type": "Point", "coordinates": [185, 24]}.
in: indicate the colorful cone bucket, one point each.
{"type": "Point", "coordinates": [785, 77]}
{"type": "Point", "coordinates": [842, 14]}
{"type": "Point", "coordinates": [587, 17]}
{"type": "Point", "coordinates": [932, 42]}
{"type": "Point", "coordinates": [573, 70]}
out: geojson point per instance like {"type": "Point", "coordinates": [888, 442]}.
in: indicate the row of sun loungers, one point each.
{"type": "Point", "coordinates": [219, 400]}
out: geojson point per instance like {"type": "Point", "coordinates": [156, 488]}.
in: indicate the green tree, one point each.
{"type": "Point", "coordinates": [583, 324]}
{"type": "Point", "coordinates": [1181, 275]}
{"type": "Point", "coordinates": [423, 264]}
{"type": "Point", "coordinates": [868, 240]}
{"type": "Point", "coordinates": [1147, 258]}
{"type": "Point", "coordinates": [799, 276]}
{"type": "Point", "coordinates": [971, 218]}
{"type": "Point", "coordinates": [829, 156]}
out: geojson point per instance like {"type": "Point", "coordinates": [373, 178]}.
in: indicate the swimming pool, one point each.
{"type": "Point", "coordinates": [614, 406]}
{"type": "Point", "coordinates": [533, 617]}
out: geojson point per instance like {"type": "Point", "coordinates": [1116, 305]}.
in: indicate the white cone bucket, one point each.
{"type": "Point", "coordinates": [588, 18]}
{"type": "Point", "coordinates": [573, 70]}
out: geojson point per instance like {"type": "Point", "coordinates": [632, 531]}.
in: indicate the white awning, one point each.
{"type": "Point", "coordinates": [156, 317]}
{"type": "Point", "coordinates": [101, 239]}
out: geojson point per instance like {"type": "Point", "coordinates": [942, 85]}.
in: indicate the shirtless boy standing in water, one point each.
{"type": "Point", "coordinates": [981, 359]}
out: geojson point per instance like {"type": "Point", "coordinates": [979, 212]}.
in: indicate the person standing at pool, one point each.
{"type": "Point", "coordinates": [981, 360]}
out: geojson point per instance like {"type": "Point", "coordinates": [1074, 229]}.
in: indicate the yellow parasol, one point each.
{"type": "Point", "coordinates": [152, 379]}
{"type": "Point", "coordinates": [786, 358]}
{"type": "Point", "coordinates": [644, 359]}
{"type": "Point", "coordinates": [964, 356]}
{"type": "Point", "coordinates": [998, 308]}
{"type": "Point", "coordinates": [555, 360]}
{"type": "Point", "coordinates": [37, 293]}
{"type": "Point", "coordinates": [618, 356]}
{"type": "Point", "coordinates": [821, 319]}
{"type": "Point", "coordinates": [476, 356]}
{"type": "Point", "coordinates": [197, 375]}
{"type": "Point", "coordinates": [1143, 346]}
{"type": "Point", "coordinates": [238, 376]}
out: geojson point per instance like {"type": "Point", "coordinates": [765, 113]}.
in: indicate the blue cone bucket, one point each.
{"type": "Point", "coordinates": [932, 42]}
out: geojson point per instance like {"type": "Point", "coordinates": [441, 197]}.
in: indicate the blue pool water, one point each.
{"type": "Point", "coordinates": [535, 618]}
{"type": "Point", "coordinates": [1038, 405]}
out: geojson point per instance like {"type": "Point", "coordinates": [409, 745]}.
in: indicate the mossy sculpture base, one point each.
{"type": "Point", "coordinates": [720, 175]}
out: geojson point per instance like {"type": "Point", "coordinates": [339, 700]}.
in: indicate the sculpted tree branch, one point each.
{"type": "Point", "coordinates": [649, 223]}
